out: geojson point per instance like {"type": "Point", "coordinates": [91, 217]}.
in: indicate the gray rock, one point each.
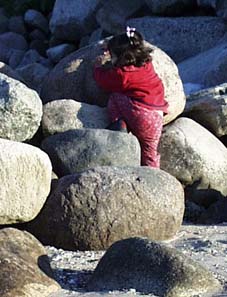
{"type": "Point", "coordinates": [71, 20]}
{"type": "Point", "coordinates": [33, 75]}
{"type": "Point", "coordinates": [35, 19]}
{"type": "Point", "coordinates": [193, 211]}
{"type": "Point", "coordinates": [113, 14]}
{"type": "Point", "coordinates": [26, 176]}
{"type": "Point", "coordinates": [15, 58]}
{"type": "Point", "coordinates": [24, 266]}
{"type": "Point", "coordinates": [55, 54]}
{"type": "Point", "coordinates": [62, 115]}
{"type": "Point", "coordinates": [4, 22]}
{"type": "Point", "coordinates": [84, 41]}
{"type": "Point", "coordinates": [40, 46]}
{"type": "Point", "coordinates": [221, 8]}
{"type": "Point", "coordinates": [92, 209]}
{"type": "Point", "coordinates": [170, 7]}
{"type": "Point", "coordinates": [151, 267]}
{"type": "Point", "coordinates": [209, 108]}
{"type": "Point", "coordinates": [7, 70]}
{"type": "Point", "coordinates": [13, 40]}
{"type": "Point", "coordinates": [215, 214]}
{"type": "Point", "coordinates": [17, 25]}
{"type": "Point", "coordinates": [207, 3]}
{"type": "Point", "coordinates": [20, 110]}
{"type": "Point", "coordinates": [187, 152]}
{"type": "Point", "coordinates": [173, 35]}
{"type": "Point", "coordinates": [12, 44]}
{"type": "Point", "coordinates": [53, 41]}
{"type": "Point", "coordinates": [198, 69]}
{"type": "Point", "coordinates": [76, 150]}
{"type": "Point", "coordinates": [30, 56]}
{"type": "Point", "coordinates": [37, 35]}
{"type": "Point", "coordinates": [216, 74]}
{"type": "Point", "coordinates": [72, 78]}
{"type": "Point", "coordinates": [96, 36]}
{"type": "Point", "coordinates": [5, 54]}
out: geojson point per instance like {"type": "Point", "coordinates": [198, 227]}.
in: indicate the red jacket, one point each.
{"type": "Point", "coordinates": [141, 84]}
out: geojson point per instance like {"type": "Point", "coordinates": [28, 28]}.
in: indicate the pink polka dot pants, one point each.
{"type": "Point", "coordinates": [145, 124]}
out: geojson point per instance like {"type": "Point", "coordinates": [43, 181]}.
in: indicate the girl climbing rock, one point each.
{"type": "Point", "coordinates": [136, 103]}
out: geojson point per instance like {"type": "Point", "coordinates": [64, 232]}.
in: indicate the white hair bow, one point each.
{"type": "Point", "coordinates": [130, 31]}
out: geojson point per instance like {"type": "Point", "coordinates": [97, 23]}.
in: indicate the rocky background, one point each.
{"type": "Point", "coordinates": [69, 183]}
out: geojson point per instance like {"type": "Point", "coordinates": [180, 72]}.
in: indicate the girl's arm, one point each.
{"type": "Point", "coordinates": [109, 79]}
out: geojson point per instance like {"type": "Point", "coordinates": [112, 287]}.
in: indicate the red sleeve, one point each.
{"type": "Point", "coordinates": [110, 80]}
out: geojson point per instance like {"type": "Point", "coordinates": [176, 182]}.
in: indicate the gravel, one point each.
{"type": "Point", "coordinates": [206, 244]}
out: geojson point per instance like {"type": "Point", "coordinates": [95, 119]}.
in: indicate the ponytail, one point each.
{"type": "Point", "coordinates": [129, 49]}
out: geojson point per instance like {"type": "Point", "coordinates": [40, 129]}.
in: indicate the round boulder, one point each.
{"type": "Point", "coordinates": [151, 268]}
{"type": "Point", "coordinates": [72, 78]}
{"type": "Point", "coordinates": [62, 115]}
{"type": "Point", "coordinates": [92, 209]}
{"type": "Point", "coordinates": [24, 266]}
{"type": "Point", "coordinates": [72, 19]}
{"type": "Point", "coordinates": [196, 158]}
{"type": "Point", "coordinates": [76, 150]}
{"type": "Point", "coordinates": [209, 108]}
{"type": "Point", "coordinates": [174, 35]}
{"type": "Point", "coordinates": [20, 110]}
{"type": "Point", "coordinates": [25, 181]}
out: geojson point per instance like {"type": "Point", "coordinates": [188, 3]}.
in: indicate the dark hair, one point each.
{"type": "Point", "coordinates": [129, 50]}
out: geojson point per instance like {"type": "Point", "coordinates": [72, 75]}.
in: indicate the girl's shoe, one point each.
{"type": "Point", "coordinates": [118, 125]}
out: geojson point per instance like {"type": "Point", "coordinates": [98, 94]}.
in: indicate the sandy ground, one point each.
{"type": "Point", "coordinates": [205, 244]}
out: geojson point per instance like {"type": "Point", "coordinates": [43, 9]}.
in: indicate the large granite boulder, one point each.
{"type": "Point", "coordinates": [62, 115]}
{"type": "Point", "coordinates": [182, 37]}
{"type": "Point", "coordinates": [208, 107]}
{"type": "Point", "coordinates": [73, 78]}
{"type": "Point", "coordinates": [79, 149]}
{"type": "Point", "coordinates": [151, 268]}
{"type": "Point", "coordinates": [219, 6]}
{"type": "Point", "coordinates": [170, 7]}
{"type": "Point", "coordinates": [20, 110]}
{"type": "Point", "coordinates": [92, 209]}
{"type": "Point", "coordinates": [113, 14]}
{"type": "Point", "coordinates": [25, 181]}
{"type": "Point", "coordinates": [198, 69]}
{"type": "Point", "coordinates": [73, 19]}
{"type": "Point", "coordinates": [24, 266]}
{"type": "Point", "coordinates": [196, 158]}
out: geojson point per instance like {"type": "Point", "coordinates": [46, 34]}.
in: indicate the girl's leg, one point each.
{"type": "Point", "coordinates": [115, 104]}
{"type": "Point", "coordinates": [147, 125]}
{"type": "Point", "coordinates": [149, 142]}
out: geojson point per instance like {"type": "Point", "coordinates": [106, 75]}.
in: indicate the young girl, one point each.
{"type": "Point", "coordinates": [137, 100]}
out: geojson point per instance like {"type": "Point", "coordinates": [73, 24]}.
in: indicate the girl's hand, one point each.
{"type": "Point", "coordinates": [102, 59]}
